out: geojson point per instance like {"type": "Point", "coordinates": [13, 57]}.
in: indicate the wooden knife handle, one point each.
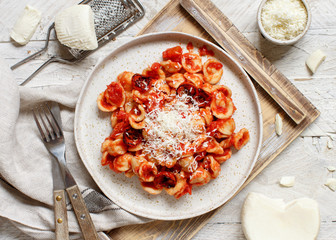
{"type": "Point", "coordinates": [82, 214]}
{"type": "Point", "coordinates": [61, 217]}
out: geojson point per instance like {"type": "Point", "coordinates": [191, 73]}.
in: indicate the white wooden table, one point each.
{"type": "Point", "coordinates": [306, 158]}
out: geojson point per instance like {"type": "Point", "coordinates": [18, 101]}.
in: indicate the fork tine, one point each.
{"type": "Point", "coordinates": [53, 133]}
{"type": "Point", "coordinates": [44, 137]}
{"type": "Point", "coordinates": [50, 133]}
{"type": "Point", "coordinates": [59, 129]}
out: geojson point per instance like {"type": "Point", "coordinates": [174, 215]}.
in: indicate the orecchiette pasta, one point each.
{"type": "Point", "coordinates": [213, 71]}
{"type": "Point", "coordinates": [172, 127]}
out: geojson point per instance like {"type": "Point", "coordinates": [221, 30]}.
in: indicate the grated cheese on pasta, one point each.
{"type": "Point", "coordinates": [170, 127]}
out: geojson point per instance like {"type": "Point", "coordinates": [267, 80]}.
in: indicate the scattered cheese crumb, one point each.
{"type": "Point", "coordinates": [287, 181]}
{"type": "Point", "coordinates": [284, 19]}
{"type": "Point", "coordinates": [331, 168]}
{"type": "Point", "coordinates": [278, 124]}
{"type": "Point", "coordinates": [331, 183]}
{"type": "Point", "coordinates": [330, 144]}
{"type": "Point", "coordinates": [315, 59]}
{"type": "Point", "coordinates": [26, 25]}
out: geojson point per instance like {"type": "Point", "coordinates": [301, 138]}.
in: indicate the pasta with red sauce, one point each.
{"type": "Point", "coordinates": [172, 123]}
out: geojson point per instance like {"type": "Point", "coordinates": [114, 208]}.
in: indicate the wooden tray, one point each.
{"type": "Point", "coordinates": [174, 18]}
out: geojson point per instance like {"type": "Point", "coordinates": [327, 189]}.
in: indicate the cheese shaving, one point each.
{"type": "Point", "coordinates": [170, 128]}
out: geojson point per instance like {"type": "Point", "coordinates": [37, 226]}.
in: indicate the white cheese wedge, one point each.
{"type": "Point", "coordinates": [75, 27]}
{"type": "Point", "coordinates": [26, 25]}
{"type": "Point", "coordinates": [264, 218]}
{"type": "Point", "coordinates": [331, 183]}
{"type": "Point", "coordinates": [278, 124]}
{"type": "Point", "coordinates": [315, 59]}
{"type": "Point", "coordinates": [287, 181]}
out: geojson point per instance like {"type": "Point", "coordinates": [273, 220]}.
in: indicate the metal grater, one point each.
{"type": "Point", "coordinates": [111, 17]}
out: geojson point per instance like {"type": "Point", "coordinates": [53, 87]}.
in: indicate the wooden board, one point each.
{"type": "Point", "coordinates": [229, 38]}
{"type": "Point", "coordinates": [174, 18]}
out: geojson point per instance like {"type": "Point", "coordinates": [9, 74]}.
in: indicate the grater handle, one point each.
{"type": "Point", "coordinates": [52, 59]}
{"type": "Point", "coordinates": [37, 53]}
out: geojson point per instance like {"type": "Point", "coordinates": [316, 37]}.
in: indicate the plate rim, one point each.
{"type": "Point", "coordinates": [242, 71]}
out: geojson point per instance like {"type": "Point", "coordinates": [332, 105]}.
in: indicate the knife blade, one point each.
{"type": "Point", "coordinates": [81, 212]}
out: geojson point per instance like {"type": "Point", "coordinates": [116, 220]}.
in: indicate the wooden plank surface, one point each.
{"type": "Point", "coordinates": [174, 18]}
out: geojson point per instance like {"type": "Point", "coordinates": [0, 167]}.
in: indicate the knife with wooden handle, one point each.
{"type": "Point", "coordinates": [233, 41]}
{"type": "Point", "coordinates": [82, 213]}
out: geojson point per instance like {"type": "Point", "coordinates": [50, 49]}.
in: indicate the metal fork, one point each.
{"type": "Point", "coordinates": [53, 138]}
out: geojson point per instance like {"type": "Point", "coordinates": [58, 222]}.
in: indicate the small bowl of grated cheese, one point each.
{"type": "Point", "coordinates": [284, 22]}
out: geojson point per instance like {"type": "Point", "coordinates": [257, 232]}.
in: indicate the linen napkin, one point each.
{"type": "Point", "coordinates": [26, 183]}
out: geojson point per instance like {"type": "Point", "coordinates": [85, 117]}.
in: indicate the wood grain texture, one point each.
{"type": "Point", "coordinates": [229, 37]}
{"type": "Point", "coordinates": [82, 214]}
{"type": "Point", "coordinates": [61, 216]}
{"type": "Point", "coordinates": [174, 18]}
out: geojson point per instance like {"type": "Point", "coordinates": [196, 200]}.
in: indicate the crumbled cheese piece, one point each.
{"type": "Point", "coordinates": [265, 218]}
{"type": "Point", "coordinates": [331, 168]}
{"type": "Point", "coordinates": [331, 183]}
{"type": "Point", "coordinates": [278, 124]}
{"type": "Point", "coordinates": [284, 19]}
{"type": "Point", "coordinates": [26, 25]}
{"type": "Point", "coordinates": [315, 59]}
{"type": "Point", "coordinates": [329, 143]}
{"type": "Point", "coordinates": [287, 181]}
{"type": "Point", "coordinates": [75, 27]}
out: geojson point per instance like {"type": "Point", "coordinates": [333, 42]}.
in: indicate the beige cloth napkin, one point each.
{"type": "Point", "coordinates": [26, 183]}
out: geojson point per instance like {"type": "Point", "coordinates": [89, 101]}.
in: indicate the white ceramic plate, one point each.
{"type": "Point", "coordinates": [92, 127]}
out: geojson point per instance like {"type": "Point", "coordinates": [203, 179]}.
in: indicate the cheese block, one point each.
{"type": "Point", "coordinates": [315, 59]}
{"type": "Point", "coordinates": [75, 27]}
{"type": "Point", "coordinates": [264, 218]}
{"type": "Point", "coordinates": [26, 25]}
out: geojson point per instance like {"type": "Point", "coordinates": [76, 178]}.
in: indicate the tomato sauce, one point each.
{"type": "Point", "coordinates": [119, 129]}
{"type": "Point", "coordinates": [199, 156]}
{"type": "Point", "coordinates": [107, 160]}
{"type": "Point", "coordinates": [115, 92]}
{"type": "Point", "coordinates": [165, 179]}
{"type": "Point", "coordinates": [203, 51]}
{"type": "Point", "coordinates": [187, 189]}
{"type": "Point", "coordinates": [215, 65]}
{"type": "Point", "coordinates": [174, 54]}
{"type": "Point", "coordinates": [156, 66]}
{"type": "Point", "coordinates": [189, 59]}
{"type": "Point", "coordinates": [147, 171]}
{"type": "Point", "coordinates": [104, 103]}
{"type": "Point", "coordinates": [190, 46]}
